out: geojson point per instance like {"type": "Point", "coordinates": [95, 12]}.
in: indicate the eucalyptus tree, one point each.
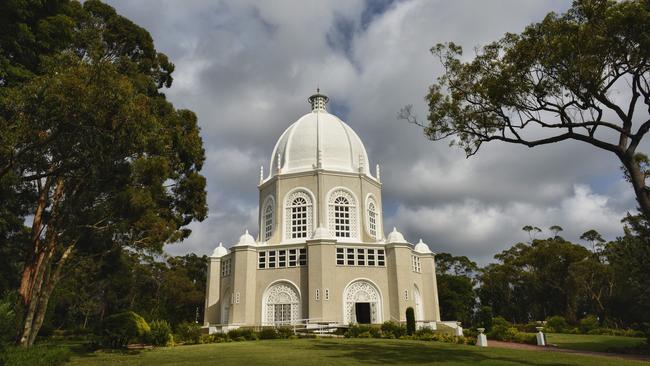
{"type": "Point", "coordinates": [583, 75]}
{"type": "Point", "coordinates": [85, 128]}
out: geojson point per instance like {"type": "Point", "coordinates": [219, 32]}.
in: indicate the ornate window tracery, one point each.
{"type": "Point", "coordinates": [342, 214]}
{"type": "Point", "coordinates": [281, 304]}
{"type": "Point", "coordinates": [298, 217]}
{"type": "Point", "coordinates": [361, 291]}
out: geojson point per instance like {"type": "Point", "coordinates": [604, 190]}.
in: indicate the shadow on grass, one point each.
{"type": "Point", "coordinates": [414, 352]}
{"type": "Point", "coordinates": [88, 350]}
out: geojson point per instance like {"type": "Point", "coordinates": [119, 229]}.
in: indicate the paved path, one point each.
{"type": "Point", "coordinates": [531, 347]}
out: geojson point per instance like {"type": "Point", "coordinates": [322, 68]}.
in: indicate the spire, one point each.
{"type": "Point", "coordinates": [261, 173]}
{"type": "Point", "coordinates": [378, 173]}
{"type": "Point", "coordinates": [318, 101]}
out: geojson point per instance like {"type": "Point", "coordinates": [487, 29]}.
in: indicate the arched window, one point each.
{"type": "Point", "coordinates": [298, 215]}
{"type": "Point", "coordinates": [342, 215]}
{"type": "Point", "coordinates": [372, 219]}
{"type": "Point", "coordinates": [281, 304]}
{"type": "Point", "coordinates": [268, 220]}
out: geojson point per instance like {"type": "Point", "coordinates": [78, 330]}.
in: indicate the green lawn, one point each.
{"type": "Point", "coordinates": [324, 352]}
{"type": "Point", "coordinates": [596, 343]}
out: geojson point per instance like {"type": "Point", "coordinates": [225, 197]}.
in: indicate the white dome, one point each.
{"type": "Point", "coordinates": [421, 247]}
{"type": "Point", "coordinates": [340, 147]}
{"type": "Point", "coordinates": [219, 251]}
{"type": "Point", "coordinates": [396, 237]}
{"type": "Point", "coordinates": [246, 239]}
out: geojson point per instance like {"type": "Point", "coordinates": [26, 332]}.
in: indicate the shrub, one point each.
{"type": "Point", "coordinates": [118, 330]}
{"type": "Point", "coordinates": [37, 356]}
{"type": "Point", "coordinates": [500, 328]}
{"type": "Point", "coordinates": [188, 332]}
{"type": "Point", "coordinates": [484, 318]}
{"type": "Point", "coordinates": [392, 330]}
{"type": "Point", "coordinates": [424, 334]}
{"type": "Point", "coordinates": [215, 338]}
{"type": "Point", "coordinates": [530, 327]}
{"type": "Point", "coordinates": [161, 333]}
{"type": "Point", "coordinates": [356, 331]}
{"type": "Point", "coordinates": [284, 332]}
{"type": "Point", "coordinates": [588, 323]}
{"type": "Point", "coordinates": [248, 334]}
{"type": "Point", "coordinates": [269, 333]}
{"type": "Point", "coordinates": [556, 324]}
{"type": "Point", "coordinates": [527, 338]}
{"type": "Point", "coordinates": [410, 321]}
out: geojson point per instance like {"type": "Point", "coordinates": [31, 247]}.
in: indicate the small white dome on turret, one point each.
{"type": "Point", "coordinates": [219, 251]}
{"type": "Point", "coordinates": [246, 239]}
{"type": "Point", "coordinates": [421, 247]}
{"type": "Point", "coordinates": [396, 237]}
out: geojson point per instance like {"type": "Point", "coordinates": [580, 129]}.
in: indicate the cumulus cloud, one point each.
{"type": "Point", "coordinates": [246, 68]}
{"type": "Point", "coordinates": [479, 230]}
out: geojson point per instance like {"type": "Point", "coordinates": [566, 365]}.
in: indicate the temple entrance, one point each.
{"type": "Point", "coordinates": [362, 303]}
{"type": "Point", "coordinates": [362, 311]}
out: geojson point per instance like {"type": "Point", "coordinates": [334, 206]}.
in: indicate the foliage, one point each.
{"type": "Point", "coordinates": [427, 334]}
{"type": "Point", "coordinates": [215, 338]}
{"type": "Point", "coordinates": [161, 333]}
{"type": "Point", "coordinates": [285, 332]}
{"type": "Point", "coordinates": [269, 333]}
{"type": "Point", "coordinates": [8, 320]}
{"type": "Point", "coordinates": [188, 332]}
{"type": "Point", "coordinates": [123, 328]}
{"type": "Point", "coordinates": [502, 330]}
{"type": "Point", "coordinates": [553, 82]}
{"type": "Point", "coordinates": [546, 277]}
{"type": "Point", "coordinates": [628, 257]}
{"type": "Point", "coordinates": [243, 334]}
{"type": "Point", "coordinates": [588, 323]}
{"type": "Point", "coordinates": [90, 149]}
{"type": "Point", "coordinates": [410, 321]}
{"type": "Point", "coordinates": [40, 355]}
{"type": "Point", "coordinates": [363, 331]}
{"type": "Point", "coordinates": [557, 324]}
{"type": "Point", "coordinates": [391, 329]}
{"type": "Point", "coordinates": [484, 318]}
{"type": "Point", "coordinates": [456, 294]}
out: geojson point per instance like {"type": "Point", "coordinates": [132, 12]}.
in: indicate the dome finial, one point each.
{"type": "Point", "coordinates": [318, 101]}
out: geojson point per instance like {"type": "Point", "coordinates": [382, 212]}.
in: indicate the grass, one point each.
{"type": "Point", "coordinates": [595, 343]}
{"type": "Point", "coordinates": [324, 352]}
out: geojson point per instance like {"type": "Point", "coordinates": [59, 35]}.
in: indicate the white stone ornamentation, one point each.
{"type": "Point", "coordinates": [298, 217]}
{"type": "Point", "coordinates": [342, 215]}
{"type": "Point", "coordinates": [281, 304]}
{"type": "Point", "coordinates": [361, 291]}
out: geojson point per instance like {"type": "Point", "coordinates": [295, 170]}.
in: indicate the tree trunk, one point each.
{"type": "Point", "coordinates": [37, 280]}
{"type": "Point", "coordinates": [637, 178]}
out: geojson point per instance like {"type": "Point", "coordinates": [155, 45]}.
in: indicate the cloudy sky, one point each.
{"type": "Point", "coordinates": [246, 69]}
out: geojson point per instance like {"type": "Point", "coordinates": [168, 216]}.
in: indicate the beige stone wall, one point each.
{"type": "Point", "coordinates": [248, 284]}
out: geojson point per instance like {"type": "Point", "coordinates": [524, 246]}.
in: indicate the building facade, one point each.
{"type": "Point", "coordinates": [321, 255]}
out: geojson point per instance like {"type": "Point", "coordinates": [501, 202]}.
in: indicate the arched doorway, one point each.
{"type": "Point", "coordinates": [417, 298]}
{"type": "Point", "coordinates": [361, 303]}
{"type": "Point", "coordinates": [281, 304]}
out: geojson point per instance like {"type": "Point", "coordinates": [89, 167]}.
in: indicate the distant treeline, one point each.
{"type": "Point", "coordinates": [549, 277]}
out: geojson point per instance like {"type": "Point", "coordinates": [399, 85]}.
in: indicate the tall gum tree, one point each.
{"type": "Point", "coordinates": [85, 129]}
{"type": "Point", "coordinates": [583, 75]}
